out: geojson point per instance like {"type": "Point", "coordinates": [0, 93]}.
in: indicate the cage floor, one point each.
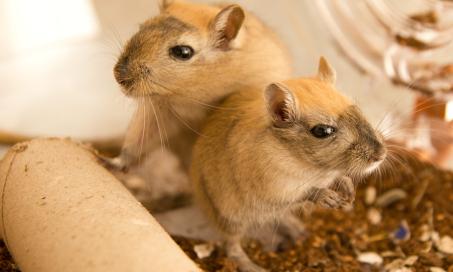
{"type": "Point", "coordinates": [407, 226]}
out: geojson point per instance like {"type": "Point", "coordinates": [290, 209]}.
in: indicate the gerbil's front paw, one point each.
{"type": "Point", "coordinates": [346, 188]}
{"type": "Point", "coordinates": [328, 198]}
{"type": "Point", "coordinates": [114, 164]}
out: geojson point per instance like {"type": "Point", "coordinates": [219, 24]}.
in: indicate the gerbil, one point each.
{"type": "Point", "coordinates": [185, 60]}
{"type": "Point", "coordinates": [275, 149]}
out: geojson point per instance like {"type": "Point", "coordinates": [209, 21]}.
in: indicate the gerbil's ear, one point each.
{"type": "Point", "coordinates": [226, 25]}
{"type": "Point", "coordinates": [325, 72]}
{"type": "Point", "coordinates": [164, 4]}
{"type": "Point", "coordinates": [281, 104]}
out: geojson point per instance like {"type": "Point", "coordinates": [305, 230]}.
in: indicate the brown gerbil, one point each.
{"type": "Point", "coordinates": [268, 152]}
{"type": "Point", "coordinates": [185, 60]}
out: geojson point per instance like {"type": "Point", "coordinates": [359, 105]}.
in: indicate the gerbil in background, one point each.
{"type": "Point", "coordinates": [181, 63]}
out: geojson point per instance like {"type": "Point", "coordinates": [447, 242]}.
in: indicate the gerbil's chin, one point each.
{"type": "Point", "coordinates": [129, 92]}
{"type": "Point", "coordinates": [146, 89]}
{"type": "Point", "coordinates": [363, 170]}
{"type": "Point", "coordinates": [135, 92]}
{"type": "Point", "coordinates": [372, 167]}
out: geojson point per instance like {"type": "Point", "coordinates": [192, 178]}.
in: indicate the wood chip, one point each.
{"type": "Point", "coordinates": [370, 258]}
{"type": "Point", "coordinates": [391, 197]}
{"type": "Point", "coordinates": [374, 216]}
{"type": "Point", "coordinates": [445, 245]}
{"type": "Point", "coordinates": [203, 250]}
{"type": "Point", "coordinates": [370, 195]}
{"type": "Point", "coordinates": [436, 269]}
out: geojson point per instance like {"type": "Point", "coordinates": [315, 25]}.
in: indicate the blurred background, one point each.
{"type": "Point", "coordinates": [56, 60]}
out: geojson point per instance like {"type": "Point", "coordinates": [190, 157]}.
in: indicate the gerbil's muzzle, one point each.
{"type": "Point", "coordinates": [379, 152]}
{"type": "Point", "coordinates": [122, 73]}
{"type": "Point", "coordinates": [377, 157]}
{"type": "Point", "coordinates": [127, 73]}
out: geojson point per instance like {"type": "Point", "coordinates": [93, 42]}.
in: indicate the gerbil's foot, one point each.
{"type": "Point", "coordinates": [328, 198]}
{"type": "Point", "coordinates": [346, 188]}
{"type": "Point", "coordinates": [291, 227]}
{"type": "Point", "coordinates": [237, 254]}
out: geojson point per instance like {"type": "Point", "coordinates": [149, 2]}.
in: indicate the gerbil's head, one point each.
{"type": "Point", "coordinates": [183, 48]}
{"type": "Point", "coordinates": [322, 127]}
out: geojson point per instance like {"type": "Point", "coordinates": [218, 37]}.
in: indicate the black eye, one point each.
{"type": "Point", "coordinates": [323, 131]}
{"type": "Point", "coordinates": [182, 52]}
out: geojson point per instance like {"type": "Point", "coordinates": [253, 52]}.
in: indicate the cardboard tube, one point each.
{"type": "Point", "coordinates": [61, 211]}
{"type": "Point", "coordinates": [108, 146]}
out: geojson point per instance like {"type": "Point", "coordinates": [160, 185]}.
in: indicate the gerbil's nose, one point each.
{"type": "Point", "coordinates": [379, 153]}
{"type": "Point", "coordinates": [121, 72]}
{"type": "Point", "coordinates": [376, 158]}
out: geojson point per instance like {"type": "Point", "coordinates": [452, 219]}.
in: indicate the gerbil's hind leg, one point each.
{"type": "Point", "coordinates": [291, 227]}
{"type": "Point", "coordinates": [236, 253]}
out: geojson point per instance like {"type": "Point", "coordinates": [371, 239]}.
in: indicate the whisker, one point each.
{"type": "Point", "coordinates": [186, 97]}
{"type": "Point", "coordinates": [158, 125]}
{"type": "Point", "coordinates": [179, 117]}
{"type": "Point", "coordinates": [143, 130]}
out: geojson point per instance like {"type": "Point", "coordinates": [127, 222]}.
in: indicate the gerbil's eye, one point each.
{"type": "Point", "coordinates": [323, 131]}
{"type": "Point", "coordinates": [182, 52]}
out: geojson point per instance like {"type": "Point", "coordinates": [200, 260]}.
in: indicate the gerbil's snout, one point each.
{"type": "Point", "coordinates": [121, 72]}
{"type": "Point", "coordinates": [127, 73]}
{"type": "Point", "coordinates": [376, 155]}
{"type": "Point", "coordinates": [379, 153]}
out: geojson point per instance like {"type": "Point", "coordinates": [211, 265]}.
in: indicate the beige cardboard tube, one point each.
{"type": "Point", "coordinates": [61, 211]}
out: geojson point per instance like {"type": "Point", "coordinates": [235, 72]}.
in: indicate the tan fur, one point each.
{"type": "Point", "coordinates": [251, 167]}
{"type": "Point", "coordinates": [198, 15]}
{"type": "Point", "coordinates": [181, 93]}
{"type": "Point", "coordinates": [314, 95]}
